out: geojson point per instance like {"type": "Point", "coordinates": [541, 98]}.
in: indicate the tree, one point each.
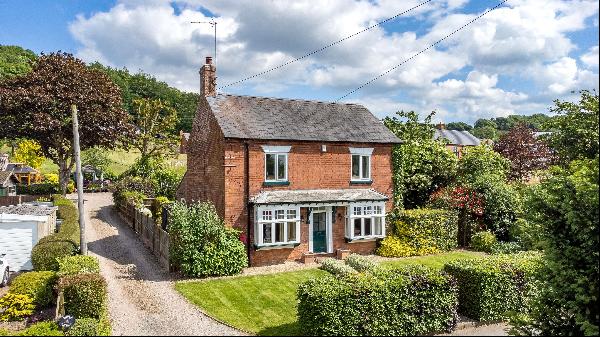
{"type": "Point", "coordinates": [155, 124]}
{"type": "Point", "coordinates": [575, 128]}
{"type": "Point", "coordinates": [96, 157]}
{"type": "Point", "coordinates": [486, 132]}
{"type": "Point", "coordinates": [526, 153]}
{"type": "Point", "coordinates": [421, 165]}
{"type": "Point", "coordinates": [37, 106]}
{"type": "Point", "coordinates": [482, 123]}
{"type": "Point", "coordinates": [15, 61]}
{"type": "Point", "coordinates": [30, 153]}
{"type": "Point", "coordinates": [460, 126]}
{"type": "Point", "coordinates": [482, 163]}
{"type": "Point", "coordinates": [565, 207]}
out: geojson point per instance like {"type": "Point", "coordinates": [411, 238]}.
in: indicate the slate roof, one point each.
{"type": "Point", "coordinates": [20, 168]}
{"type": "Point", "coordinates": [317, 196]}
{"type": "Point", "coordinates": [249, 117]}
{"type": "Point", "coordinates": [456, 137]}
{"type": "Point", "coordinates": [5, 175]}
{"type": "Point", "coordinates": [25, 209]}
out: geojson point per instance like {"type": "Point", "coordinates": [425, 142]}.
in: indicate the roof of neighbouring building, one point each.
{"type": "Point", "coordinates": [19, 168]}
{"type": "Point", "coordinates": [317, 196]}
{"type": "Point", "coordinates": [27, 209]}
{"type": "Point", "coordinates": [541, 133]}
{"type": "Point", "coordinates": [5, 176]}
{"type": "Point", "coordinates": [248, 117]}
{"type": "Point", "coordinates": [456, 137]}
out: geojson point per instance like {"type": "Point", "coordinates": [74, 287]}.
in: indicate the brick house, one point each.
{"type": "Point", "coordinates": [299, 178]}
{"type": "Point", "coordinates": [456, 141]}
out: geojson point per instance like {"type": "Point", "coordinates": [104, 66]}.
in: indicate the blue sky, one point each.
{"type": "Point", "coordinates": [516, 59]}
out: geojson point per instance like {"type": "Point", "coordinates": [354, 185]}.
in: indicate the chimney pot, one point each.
{"type": "Point", "coordinates": [209, 60]}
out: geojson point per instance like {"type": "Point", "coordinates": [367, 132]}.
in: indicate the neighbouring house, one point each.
{"type": "Point", "coordinates": [184, 138]}
{"type": "Point", "coordinates": [298, 178]}
{"type": "Point", "coordinates": [456, 141]}
{"type": "Point", "coordinates": [8, 184]}
{"type": "Point", "coordinates": [21, 227]}
{"type": "Point", "coordinates": [25, 174]}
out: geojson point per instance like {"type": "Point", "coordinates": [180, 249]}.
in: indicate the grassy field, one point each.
{"type": "Point", "coordinates": [266, 304]}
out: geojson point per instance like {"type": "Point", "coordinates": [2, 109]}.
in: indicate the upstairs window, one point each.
{"type": "Point", "coordinates": [361, 164]}
{"type": "Point", "coordinates": [276, 163]}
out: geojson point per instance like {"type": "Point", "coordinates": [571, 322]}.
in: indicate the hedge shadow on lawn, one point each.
{"type": "Point", "coordinates": [288, 329]}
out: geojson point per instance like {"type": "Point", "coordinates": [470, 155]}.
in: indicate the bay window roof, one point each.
{"type": "Point", "coordinates": [317, 196]}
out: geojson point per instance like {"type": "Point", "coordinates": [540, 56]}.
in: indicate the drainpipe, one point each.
{"type": "Point", "coordinates": [247, 199]}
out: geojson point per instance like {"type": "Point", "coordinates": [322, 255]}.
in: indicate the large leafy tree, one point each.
{"type": "Point", "coordinates": [37, 106]}
{"type": "Point", "coordinates": [15, 61]}
{"type": "Point", "coordinates": [421, 165]}
{"type": "Point", "coordinates": [460, 126]}
{"type": "Point", "coordinates": [30, 153]}
{"type": "Point", "coordinates": [575, 128]}
{"type": "Point", "coordinates": [526, 153]}
{"type": "Point", "coordinates": [155, 124]}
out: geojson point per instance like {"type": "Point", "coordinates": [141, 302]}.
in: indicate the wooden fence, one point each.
{"type": "Point", "coordinates": [152, 235]}
{"type": "Point", "coordinates": [19, 199]}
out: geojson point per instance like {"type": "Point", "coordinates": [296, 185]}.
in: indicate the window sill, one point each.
{"type": "Point", "coordinates": [276, 183]}
{"type": "Point", "coordinates": [277, 246]}
{"type": "Point", "coordinates": [361, 182]}
{"type": "Point", "coordinates": [369, 239]}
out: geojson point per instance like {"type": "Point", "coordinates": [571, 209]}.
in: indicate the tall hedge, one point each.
{"type": "Point", "coordinates": [37, 285]}
{"type": "Point", "coordinates": [420, 232]}
{"type": "Point", "coordinates": [85, 295]}
{"type": "Point", "coordinates": [490, 288]}
{"type": "Point", "coordinates": [411, 301]}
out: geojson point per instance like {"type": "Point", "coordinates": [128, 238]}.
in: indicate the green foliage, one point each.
{"type": "Point", "coordinates": [495, 127]}
{"type": "Point", "coordinates": [337, 268]}
{"type": "Point", "coordinates": [460, 126]}
{"type": "Point", "coordinates": [486, 132]}
{"type": "Point", "coordinates": [502, 206]}
{"type": "Point", "coordinates": [483, 241]}
{"type": "Point", "coordinates": [506, 248]}
{"type": "Point", "coordinates": [39, 286]}
{"type": "Point", "coordinates": [143, 187]}
{"type": "Point", "coordinates": [97, 158]}
{"type": "Point", "coordinates": [491, 288]}
{"type": "Point", "coordinates": [90, 327]}
{"type": "Point", "coordinates": [166, 181]}
{"type": "Point", "coordinates": [30, 153]}
{"type": "Point", "coordinates": [575, 128]}
{"type": "Point", "coordinates": [157, 207]}
{"type": "Point", "coordinates": [420, 164]}
{"type": "Point", "coordinates": [528, 234]}
{"type": "Point", "coordinates": [85, 295]}
{"type": "Point", "coordinates": [155, 123]}
{"type": "Point", "coordinates": [420, 232]}
{"type": "Point", "coordinates": [410, 301]}
{"type": "Point", "coordinates": [360, 263]}
{"type": "Point", "coordinates": [15, 61]}
{"type": "Point", "coordinates": [200, 244]}
{"type": "Point", "coordinates": [78, 264]}
{"type": "Point", "coordinates": [149, 176]}
{"type": "Point", "coordinates": [481, 161]}
{"type": "Point", "coordinates": [42, 329]}
{"type": "Point", "coordinates": [15, 307]}
{"type": "Point", "coordinates": [565, 207]}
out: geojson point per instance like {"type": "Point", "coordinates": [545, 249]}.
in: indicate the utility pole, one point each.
{"type": "Point", "coordinates": [79, 177]}
{"type": "Point", "coordinates": [213, 23]}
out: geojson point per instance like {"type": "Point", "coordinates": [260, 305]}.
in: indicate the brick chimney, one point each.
{"type": "Point", "coordinates": [441, 126]}
{"type": "Point", "coordinates": [208, 78]}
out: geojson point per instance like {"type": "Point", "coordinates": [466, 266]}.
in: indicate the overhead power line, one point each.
{"type": "Point", "coordinates": [323, 48]}
{"type": "Point", "coordinates": [421, 52]}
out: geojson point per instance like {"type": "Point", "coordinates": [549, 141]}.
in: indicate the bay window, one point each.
{"type": "Point", "coordinates": [277, 226]}
{"type": "Point", "coordinates": [365, 221]}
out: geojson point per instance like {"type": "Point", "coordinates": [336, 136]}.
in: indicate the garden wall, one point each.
{"type": "Point", "coordinates": [152, 235]}
{"type": "Point", "coordinates": [19, 199]}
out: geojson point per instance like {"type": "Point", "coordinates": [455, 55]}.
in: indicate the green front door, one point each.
{"type": "Point", "coordinates": [319, 222]}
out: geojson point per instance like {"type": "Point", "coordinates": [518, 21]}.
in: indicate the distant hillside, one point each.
{"type": "Point", "coordinates": [16, 61]}
{"type": "Point", "coordinates": [493, 128]}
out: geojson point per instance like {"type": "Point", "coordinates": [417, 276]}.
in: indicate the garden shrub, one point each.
{"type": "Point", "coordinates": [420, 232]}
{"type": "Point", "coordinates": [78, 264]}
{"type": "Point", "coordinates": [45, 253]}
{"type": "Point", "coordinates": [42, 329]}
{"type": "Point", "coordinates": [506, 248]}
{"type": "Point", "coordinates": [502, 205]}
{"type": "Point", "coordinates": [157, 208]}
{"type": "Point", "coordinates": [410, 301]}
{"type": "Point", "coordinates": [361, 263]}
{"type": "Point", "coordinates": [201, 245]}
{"type": "Point", "coordinates": [483, 241]}
{"type": "Point", "coordinates": [128, 184]}
{"type": "Point", "coordinates": [15, 307]}
{"type": "Point", "coordinates": [39, 286]}
{"type": "Point", "coordinates": [490, 288]}
{"type": "Point", "coordinates": [90, 327]}
{"type": "Point", "coordinates": [85, 295]}
{"type": "Point", "coordinates": [336, 267]}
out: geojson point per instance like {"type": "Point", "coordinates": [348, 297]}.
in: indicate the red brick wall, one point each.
{"type": "Point", "coordinates": [205, 177]}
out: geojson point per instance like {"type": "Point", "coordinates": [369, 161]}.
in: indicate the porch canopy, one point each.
{"type": "Point", "coordinates": [350, 195]}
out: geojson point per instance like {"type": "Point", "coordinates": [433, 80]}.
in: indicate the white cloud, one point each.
{"type": "Point", "coordinates": [526, 40]}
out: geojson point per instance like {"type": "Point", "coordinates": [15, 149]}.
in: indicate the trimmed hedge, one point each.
{"type": "Point", "coordinates": [336, 267]}
{"type": "Point", "coordinates": [85, 295]}
{"type": "Point", "coordinates": [409, 301]}
{"type": "Point", "coordinates": [420, 232]}
{"type": "Point", "coordinates": [15, 307]}
{"type": "Point", "coordinates": [42, 329]}
{"type": "Point", "coordinates": [37, 285]}
{"type": "Point", "coordinates": [90, 327]}
{"type": "Point", "coordinates": [490, 288]}
{"type": "Point", "coordinates": [78, 264]}
{"type": "Point", "coordinates": [360, 263]}
{"type": "Point", "coordinates": [45, 253]}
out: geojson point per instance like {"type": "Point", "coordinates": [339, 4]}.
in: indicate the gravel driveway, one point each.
{"type": "Point", "coordinates": [142, 300]}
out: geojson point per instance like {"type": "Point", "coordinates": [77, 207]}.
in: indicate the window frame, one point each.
{"type": "Point", "coordinates": [277, 152]}
{"type": "Point", "coordinates": [362, 211]}
{"type": "Point", "coordinates": [362, 153]}
{"type": "Point", "coordinates": [261, 221]}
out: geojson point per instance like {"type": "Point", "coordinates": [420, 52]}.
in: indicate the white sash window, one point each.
{"type": "Point", "coordinates": [277, 226]}
{"type": "Point", "coordinates": [365, 221]}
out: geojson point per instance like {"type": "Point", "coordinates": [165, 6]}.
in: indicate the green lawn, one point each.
{"type": "Point", "coordinates": [266, 304]}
